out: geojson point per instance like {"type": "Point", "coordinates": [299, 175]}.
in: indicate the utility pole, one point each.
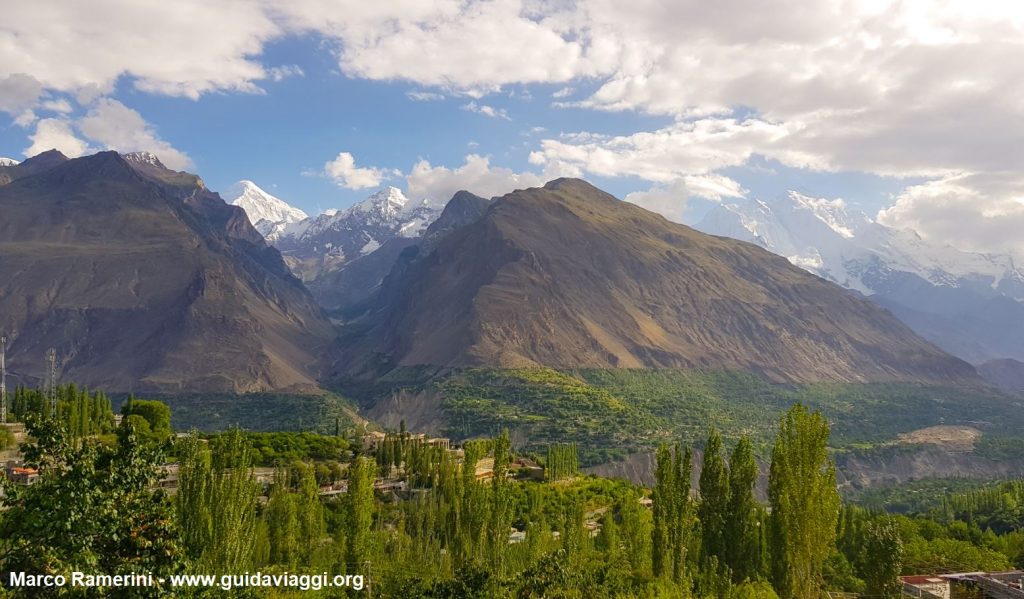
{"type": "Point", "coordinates": [3, 379]}
{"type": "Point", "coordinates": [51, 358]}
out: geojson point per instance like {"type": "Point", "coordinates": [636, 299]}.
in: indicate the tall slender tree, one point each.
{"type": "Point", "coordinates": [741, 524]}
{"type": "Point", "coordinates": [804, 504]}
{"type": "Point", "coordinates": [714, 499]}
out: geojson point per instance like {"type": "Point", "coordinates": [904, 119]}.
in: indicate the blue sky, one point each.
{"type": "Point", "coordinates": [901, 108]}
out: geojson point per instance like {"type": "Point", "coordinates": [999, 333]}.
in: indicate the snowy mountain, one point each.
{"type": "Point", "coordinates": [146, 158]}
{"type": "Point", "coordinates": [321, 243]}
{"type": "Point", "coordinates": [270, 215]}
{"type": "Point", "coordinates": [4, 161]}
{"type": "Point", "coordinates": [959, 300]}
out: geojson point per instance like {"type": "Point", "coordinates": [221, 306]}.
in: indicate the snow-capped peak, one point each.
{"type": "Point", "coordinates": [269, 214]}
{"type": "Point", "coordinates": [387, 202]}
{"type": "Point", "coordinates": [850, 248]}
{"type": "Point", "coordinates": [143, 158]}
{"type": "Point", "coordinates": [4, 161]}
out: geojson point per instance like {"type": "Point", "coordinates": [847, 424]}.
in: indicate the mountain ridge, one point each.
{"type": "Point", "coordinates": [568, 276]}
{"type": "Point", "coordinates": [144, 280]}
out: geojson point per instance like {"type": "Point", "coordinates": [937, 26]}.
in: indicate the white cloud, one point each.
{"type": "Point", "coordinates": [283, 72]}
{"type": "Point", "coordinates": [476, 175]}
{"type": "Point", "coordinates": [668, 201]}
{"type": "Point", "coordinates": [344, 172]}
{"type": "Point", "coordinates": [919, 88]}
{"type": "Point", "coordinates": [953, 210]}
{"type": "Point", "coordinates": [58, 105]}
{"type": "Point", "coordinates": [19, 93]}
{"type": "Point", "coordinates": [564, 92]}
{"type": "Point", "coordinates": [117, 127]}
{"type": "Point", "coordinates": [687, 148]}
{"type": "Point", "coordinates": [185, 48]}
{"type": "Point", "coordinates": [56, 134]}
{"type": "Point", "coordinates": [488, 111]}
{"type": "Point", "coordinates": [422, 96]}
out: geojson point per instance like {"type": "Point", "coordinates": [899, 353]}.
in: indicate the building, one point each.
{"type": "Point", "coordinates": [23, 476]}
{"type": "Point", "coordinates": [373, 440]}
{"type": "Point", "coordinates": [926, 586]}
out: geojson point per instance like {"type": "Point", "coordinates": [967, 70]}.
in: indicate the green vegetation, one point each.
{"type": "Point", "coordinates": [96, 507]}
{"type": "Point", "coordinates": [445, 524]}
{"type": "Point", "coordinates": [562, 461]}
{"type": "Point", "coordinates": [610, 413]}
{"type": "Point", "coordinates": [6, 438]}
{"type": "Point", "coordinates": [264, 412]}
{"type": "Point", "coordinates": [82, 412]}
{"type": "Point", "coordinates": [272, 449]}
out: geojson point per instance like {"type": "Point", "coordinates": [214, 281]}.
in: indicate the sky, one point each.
{"type": "Point", "coordinates": [911, 110]}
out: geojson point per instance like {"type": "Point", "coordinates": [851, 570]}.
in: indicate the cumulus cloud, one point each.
{"type": "Point", "coordinates": [56, 134]}
{"type": "Point", "coordinates": [953, 210]}
{"type": "Point", "coordinates": [18, 95]}
{"type": "Point", "coordinates": [184, 48]}
{"type": "Point", "coordinates": [476, 175]}
{"type": "Point", "coordinates": [343, 171]}
{"type": "Point", "coordinates": [484, 109]}
{"type": "Point", "coordinates": [686, 148]}
{"type": "Point", "coordinates": [117, 127]}
{"type": "Point", "coordinates": [929, 89]}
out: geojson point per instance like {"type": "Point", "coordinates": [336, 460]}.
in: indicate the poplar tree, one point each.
{"type": "Point", "coordinates": [714, 499]}
{"type": "Point", "coordinates": [682, 523]}
{"type": "Point", "coordinates": [360, 511]}
{"type": "Point", "coordinates": [663, 507]}
{"type": "Point", "coordinates": [741, 530]}
{"type": "Point", "coordinates": [804, 504]}
{"type": "Point", "coordinates": [883, 560]}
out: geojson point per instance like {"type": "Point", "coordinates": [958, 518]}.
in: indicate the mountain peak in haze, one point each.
{"type": "Point", "coordinates": [4, 161]}
{"type": "Point", "coordinates": [970, 304]}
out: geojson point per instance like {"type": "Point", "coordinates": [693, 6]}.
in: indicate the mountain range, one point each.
{"type": "Point", "coordinates": [567, 276]}
{"type": "Point", "coordinates": [969, 304]}
{"type": "Point", "coordinates": [143, 279]}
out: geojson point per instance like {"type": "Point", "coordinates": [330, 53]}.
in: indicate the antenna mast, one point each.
{"type": "Point", "coordinates": [51, 358]}
{"type": "Point", "coordinates": [3, 379]}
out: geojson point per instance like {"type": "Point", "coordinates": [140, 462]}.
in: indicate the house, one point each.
{"type": "Point", "coordinates": [926, 585]}
{"type": "Point", "coordinates": [23, 476]}
{"type": "Point", "coordinates": [373, 440]}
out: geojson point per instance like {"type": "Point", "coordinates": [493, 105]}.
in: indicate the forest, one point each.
{"type": "Point", "coordinates": [469, 522]}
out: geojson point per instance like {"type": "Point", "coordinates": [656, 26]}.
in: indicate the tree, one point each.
{"type": "Point", "coordinates": [96, 508]}
{"type": "Point", "coordinates": [359, 517]}
{"type": "Point", "coordinates": [741, 523]}
{"type": "Point", "coordinates": [663, 508]}
{"type": "Point", "coordinates": [156, 413]}
{"type": "Point", "coordinates": [714, 500]}
{"type": "Point", "coordinates": [216, 501]}
{"type": "Point", "coordinates": [883, 560]}
{"type": "Point", "coordinates": [804, 502]}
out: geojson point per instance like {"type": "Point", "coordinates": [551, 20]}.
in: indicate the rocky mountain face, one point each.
{"type": "Point", "coordinates": [267, 213]}
{"type": "Point", "coordinates": [969, 304]}
{"type": "Point", "coordinates": [144, 280]}
{"type": "Point", "coordinates": [567, 276]}
{"type": "Point", "coordinates": [321, 244]}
